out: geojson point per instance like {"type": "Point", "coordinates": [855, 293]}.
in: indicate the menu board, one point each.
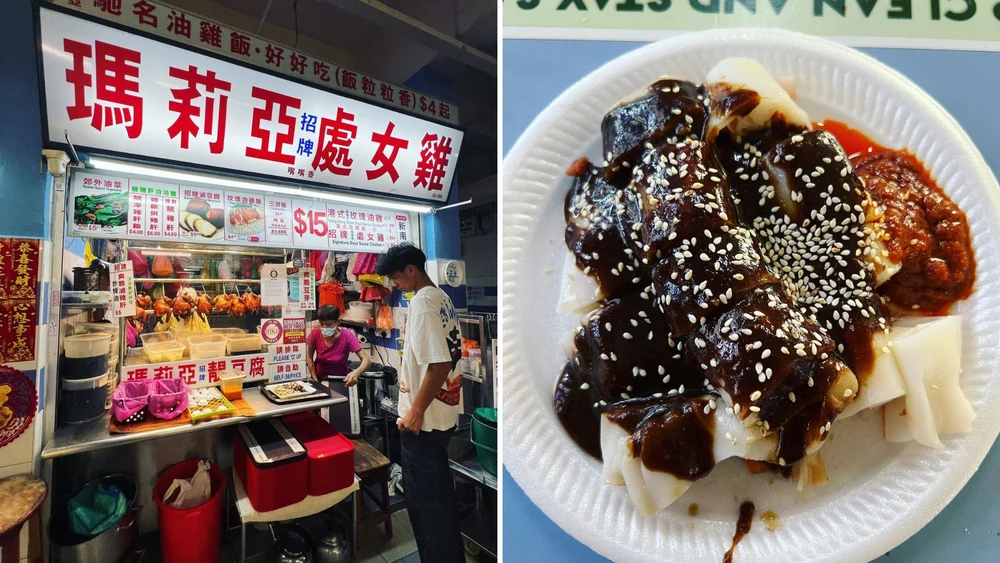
{"type": "Point", "coordinates": [104, 206]}
{"type": "Point", "coordinates": [122, 290]}
{"type": "Point", "coordinates": [100, 205]}
{"type": "Point", "coordinates": [202, 214]}
{"type": "Point", "coordinates": [277, 215]}
{"type": "Point", "coordinates": [152, 210]}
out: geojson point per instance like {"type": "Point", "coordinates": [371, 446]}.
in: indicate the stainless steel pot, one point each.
{"type": "Point", "coordinates": [113, 545]}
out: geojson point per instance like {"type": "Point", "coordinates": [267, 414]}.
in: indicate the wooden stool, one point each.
{"type": "Point", "coordinates": [372, 468]}
{"type": "Point", "coordinates": [20, 498]}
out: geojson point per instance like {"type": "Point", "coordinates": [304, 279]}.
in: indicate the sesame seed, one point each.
{"type": "Point", "coordinates": [791, 397]}
{"type": "Point", "coordinates": [585, 386]}
{"type": "Point", "coordinates": [627, 336]}
{"type": "Point", "coordinates": [754, 408]}
{"type": "Point", "coordinates": [614, 358]}
{"type": "Point", "coordinates": [766, 354]}
{"type": "Point", "coordinates": [755, 395]}
{"type": "Point", "coordinates": [848, 392]}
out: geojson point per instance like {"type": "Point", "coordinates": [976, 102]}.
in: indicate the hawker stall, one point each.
{"type": "Point", "coordinates": [178, 395]}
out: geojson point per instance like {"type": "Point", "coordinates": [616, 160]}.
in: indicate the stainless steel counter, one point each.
{"type": "Point", "coordinates": [71, 439]}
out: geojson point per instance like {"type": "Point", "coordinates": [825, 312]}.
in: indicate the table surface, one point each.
{"type": "Point", "coordinates": [70, 439]}
{"type": "Point", "coordinates": [965, 83]}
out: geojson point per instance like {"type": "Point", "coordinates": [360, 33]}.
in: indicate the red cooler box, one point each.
{"type": "Point", "coordinates": [271, 464]}
{"type": "Point", "coordinates": [331, 454]}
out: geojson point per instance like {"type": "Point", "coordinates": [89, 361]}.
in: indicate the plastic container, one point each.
{"type": "Point", "coordinates": [86, 279]}
{"type": "Point", "coordinates": [87, 345]}
{"type": "Point", "coordinates": [232, 384]}
{"type": "Point", "coordinates": [207, 403]}
{"type": "Point", "coordinates": [330, 453]}
{"type": "Point", "coordinates": [169, 398]}
{"type": "Point", "coordinates": [83, 368]}
{"type": "Point", "coordinates": [192, 535]}
{"type": "Point", "coordinates": [484, 436]}
{"type": "Point", "coordinates": [275, 472]}
{"type": "Point", "coordinates": [83, 400]}
{"type": "Point", "coordinates": [164, 352]}
{"type": "Point", "coordinates": [228, 331]}
{"type": "Point", "coordinates": [184, 337]}
{"type": "Point", "coordinates": [242, 343]}
{"type": "Point", "coordinates": [207, 346]}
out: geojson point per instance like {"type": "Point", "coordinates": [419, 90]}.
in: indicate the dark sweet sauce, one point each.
{"type": "Point", "coordinates": [743, 525]}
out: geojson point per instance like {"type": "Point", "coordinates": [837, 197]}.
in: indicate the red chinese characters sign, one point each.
{"type": "Point", "coordinates": [199, 373]}
{"type": "Point", "coordinates": [114, 91]}
{"type": "Point", "coordinates": [18, 299]}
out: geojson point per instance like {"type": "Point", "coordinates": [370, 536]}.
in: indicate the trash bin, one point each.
{"type": "Point", "coordinates": [192, 535]}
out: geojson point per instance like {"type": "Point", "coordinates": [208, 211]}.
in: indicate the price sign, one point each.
{"type": "Point", "coordinates": [122, 290]}
{"type": "Point", "coordinates": [309, 224]}
{"type": "Point", "coordinates": [278, 217]}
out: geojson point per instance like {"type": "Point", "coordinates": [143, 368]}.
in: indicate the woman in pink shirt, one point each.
{"type": "Point", "coordinates": [328, 349]}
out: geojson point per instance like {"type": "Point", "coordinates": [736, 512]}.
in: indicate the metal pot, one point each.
{"type": "Point", "coordinates": [332, 548]}
{"type": "Point", "coordinates": [110, 546]}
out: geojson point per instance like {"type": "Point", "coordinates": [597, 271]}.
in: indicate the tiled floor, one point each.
{"type": "Point", "coordinates": [402, 548]}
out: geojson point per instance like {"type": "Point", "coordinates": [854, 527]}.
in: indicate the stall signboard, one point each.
{"type": "Point", "coordinates": [199, 373]}
{"type": "Point", "coordinates": [122, 290]}
{"type": "Point", "coordinates": [111, 91]}
{"type": "Point", "coordinates": [158, 211]}
{"type": "Point", "coordinates": [202, 33]}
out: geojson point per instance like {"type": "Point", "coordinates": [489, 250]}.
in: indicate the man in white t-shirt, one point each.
{"type": "Point", "coordinates": [430, 392]}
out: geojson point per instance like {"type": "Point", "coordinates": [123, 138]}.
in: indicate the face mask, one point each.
{"type": "Point", "coordinates": [328, 332]}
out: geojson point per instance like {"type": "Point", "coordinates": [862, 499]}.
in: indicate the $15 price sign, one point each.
{"type": "Point", "coordinates": [309, 222]}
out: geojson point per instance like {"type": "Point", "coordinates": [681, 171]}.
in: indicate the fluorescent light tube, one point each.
{"type": "Point", "coordinates": [125, 168]}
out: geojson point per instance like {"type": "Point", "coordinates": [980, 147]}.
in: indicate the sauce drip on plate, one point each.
{"type": "Point", "coordinates": [742, 528]}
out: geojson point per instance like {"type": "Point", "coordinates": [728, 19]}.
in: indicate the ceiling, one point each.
{"type": "Point", "coordinates": [392, 40]}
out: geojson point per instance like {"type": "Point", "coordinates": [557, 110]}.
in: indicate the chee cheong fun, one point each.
{"type": "Point", "coordinates": [743, 287]}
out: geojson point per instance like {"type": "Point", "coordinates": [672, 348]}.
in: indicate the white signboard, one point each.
{"type": "Point", "coordinates": [282, 353]}
{"type": "Point", "coordinates": [157, 211]}
{"type": "Point", "coordinates": [191, 29]}
{"type": "Point", "coordinates": [273, 285]}
{"type": "Point", "coordinates": [114, 91]}
{"type": "Point", "coordinates": [287, 371]}
{"type": "Point", "coordinates": [122, 290]}
{"type": "Point", "coordinates": [199, 373]}
{"type": "Point", "coordinates": [307, 296]}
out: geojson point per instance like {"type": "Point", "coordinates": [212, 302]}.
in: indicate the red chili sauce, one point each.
{"type": "Point", "coordinates": [927, 233]}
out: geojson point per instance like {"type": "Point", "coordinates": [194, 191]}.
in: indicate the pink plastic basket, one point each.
{"type": "Point", "coordinates": [130, 400]}
{"type": "Point", "coordinates": [169, 398]}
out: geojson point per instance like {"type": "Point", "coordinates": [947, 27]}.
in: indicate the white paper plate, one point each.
{"type": "Point", "coordinates": [879, 493]}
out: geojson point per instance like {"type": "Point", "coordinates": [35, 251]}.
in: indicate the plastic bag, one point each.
{"type": "Point", "coordinates": [96, 508]}
{"type": "Point", "coordinates": [193, 492]}
{"type": "Point", "coordinates": [162, 267]}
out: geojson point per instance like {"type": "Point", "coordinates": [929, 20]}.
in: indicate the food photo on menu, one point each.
{"type": "Point", "coordinates": [748, 308]}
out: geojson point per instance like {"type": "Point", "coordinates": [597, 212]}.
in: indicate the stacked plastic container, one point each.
{"type": "Point", "coordinates": [84, 377]}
